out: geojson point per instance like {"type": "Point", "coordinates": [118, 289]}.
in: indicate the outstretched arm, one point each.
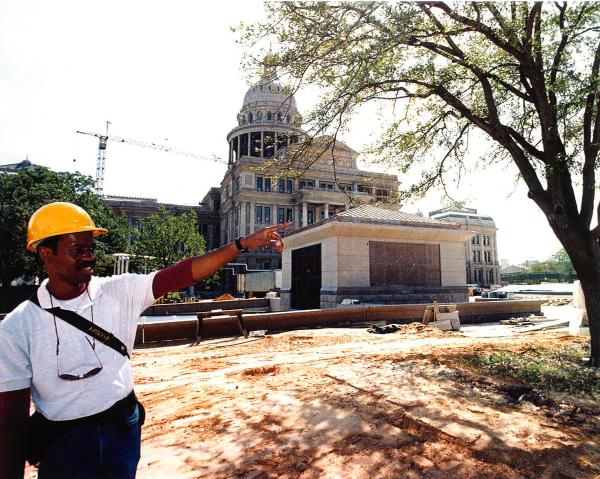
{"type": "Point", "coordinates": [192, 270]}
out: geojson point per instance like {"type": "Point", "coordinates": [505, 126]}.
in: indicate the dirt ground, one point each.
{"type": "Point", "coordinates": [344, 403]}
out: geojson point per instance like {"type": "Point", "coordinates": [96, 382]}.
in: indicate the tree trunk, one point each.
{"type": "Point", "coordinates": [590, 283]}
{"type": "Point", "coordinates": [585, 256]}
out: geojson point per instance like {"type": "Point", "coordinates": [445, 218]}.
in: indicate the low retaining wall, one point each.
{"type": "Point", "coordinates": [394, 295]}
{"type": "Point", "coordinates": [190, 308]}
{"type": "Point", "coordinates": [470, 313]}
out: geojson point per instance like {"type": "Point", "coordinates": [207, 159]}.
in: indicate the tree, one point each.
{"type": "Point", "coordinates": [165, 238]}
{"type": "Point", "coordinates": [559, 262]}
{"type": "Point", "coordinates": [23, 193]}
{"type": "Point", "coordinates": [524, 75]}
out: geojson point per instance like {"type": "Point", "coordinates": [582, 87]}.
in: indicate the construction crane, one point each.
{"type": "Point", "coordinates": [101, 160]}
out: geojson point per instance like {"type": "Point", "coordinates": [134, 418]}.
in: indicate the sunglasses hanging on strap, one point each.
{"type": "Point", "coordinates": [77, 321]}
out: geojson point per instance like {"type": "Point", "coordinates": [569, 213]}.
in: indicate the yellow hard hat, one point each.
{"type": "Point", "coordinates": [59, 219]}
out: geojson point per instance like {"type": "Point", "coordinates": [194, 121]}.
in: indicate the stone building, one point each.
{"type": "Point", "coordinates": [268, 124]}
{"type": "Point", "coordinates": [207, 212]}
{"type": "Point", "coordinates": [375, 255]}
{"type": "Point", "coordinates": [481, 251]}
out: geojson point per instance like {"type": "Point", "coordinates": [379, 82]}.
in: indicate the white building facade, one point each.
{"type": "Point", "coordinates": [268, 123]}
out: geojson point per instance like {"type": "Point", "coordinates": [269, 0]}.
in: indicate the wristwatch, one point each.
{"type": "Point", "coordinates": [238, 245]}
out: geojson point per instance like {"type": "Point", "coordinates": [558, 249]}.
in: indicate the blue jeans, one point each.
{"type": "Point", "coordinates": [107, 449]}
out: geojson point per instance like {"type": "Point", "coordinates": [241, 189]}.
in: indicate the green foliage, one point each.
{"type": "Point", "coordinates": [23, 193]}
{"type": "Point", "coordinates": [523, 74]}
{"type": "Point", "coordinates": [559, 369]}
{"type": "Point", "coordinates": [165, 238]}
{"type": "Point", "coordinates": [559, 262]}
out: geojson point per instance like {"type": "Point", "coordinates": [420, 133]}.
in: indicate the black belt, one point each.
{"type": "Point", "coordinates": [118, 411]}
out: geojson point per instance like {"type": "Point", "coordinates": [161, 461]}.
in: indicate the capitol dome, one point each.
{"type": "Point", "coordinates": [268, 101]}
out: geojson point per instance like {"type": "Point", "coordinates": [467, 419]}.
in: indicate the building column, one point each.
{"type": "Point", "coordinates": [262, 144]}
{"type": "Point", "coordinates": [252, 216]}
{"type": "Point", "coordinates": [304, 214]}
{"type": "Point", "coordinates": [242, 218]}
{"type": "Point", "coordinates": [296, 216]}
{"type": "Point", "coordinates": [326, 210]}
{"type": "Point", "coordinates": [274, 213]}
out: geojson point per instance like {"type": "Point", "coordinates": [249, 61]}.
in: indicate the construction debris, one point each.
{"type": "Point", "coordinates": [559, 302]}
{"type": "Point", "coordinates": [527, 321]}
{"type": "Point", "coordinates": [411, 328]}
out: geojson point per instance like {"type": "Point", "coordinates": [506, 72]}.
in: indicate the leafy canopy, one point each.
{"type": "Point", "coordinates": [165, 238]}
{"type": "Point", "coordinates": [523, 74]}
{"type": "Point", "coordinates": [23, 193]}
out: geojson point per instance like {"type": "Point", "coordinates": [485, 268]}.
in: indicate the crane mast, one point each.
{"type": "Point", "coordinates": [101, 159]}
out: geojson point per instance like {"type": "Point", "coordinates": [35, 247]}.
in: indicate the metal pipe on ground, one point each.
{"type": "Point", "coordinates": [223, 326]}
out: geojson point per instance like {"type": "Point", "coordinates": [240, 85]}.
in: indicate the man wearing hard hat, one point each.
{"type": "Point", "coordinates": [69, 345]}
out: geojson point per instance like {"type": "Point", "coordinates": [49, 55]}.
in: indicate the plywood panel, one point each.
{"type": "Point", "coordinates": [404, 263]}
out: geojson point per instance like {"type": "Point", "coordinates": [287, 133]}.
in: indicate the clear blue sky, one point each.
{"type": "Point", "coordinates": [169, 72]}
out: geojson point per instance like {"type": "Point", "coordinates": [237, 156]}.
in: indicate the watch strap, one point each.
{"type": "Point", "coordinates": [238, 245]}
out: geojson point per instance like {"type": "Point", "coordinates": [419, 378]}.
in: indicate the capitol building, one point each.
{"type": "Point", "coordinates": [255, 191]}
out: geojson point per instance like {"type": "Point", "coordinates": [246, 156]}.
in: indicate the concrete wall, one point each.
{"type": "Point", "coordinates": [452, 259]}
{"type": "Point", "coordinates": [345, 263]}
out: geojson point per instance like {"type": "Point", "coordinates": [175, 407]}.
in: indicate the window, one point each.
{"type": "Point", "coordinates": [290, 215]}
{"type": "Point", "coordinates": [267, 210]}
{"type": "Point", "coordinates": [294, 139]}
{"type": "Point", "coordinates": [289, 187]}
{"type": "Point", "coordinates": [365, 189]}
{"type": "Point", "coordinates": [488, 256]}
{"type": "Point", "coordinates": [287, 118]}
{"type": "Point", "coordinates": [324, 185]}
{"type": "Point", "coordinates": [259, 183]}
{"type": "Point", "coordinates": [311, 217]}
{"type": "Point", "coordinates": [281, 186]}
{"type": "Point", "coordinates": [135, 222]}
{"type": "Point", "coordinates": [267, 184]}
{"type": "Point", "coordinates": [244, 145]}
{"type": "Point", "coordinates": [269, 143]}
{"type": "Point", "coordinates": [236, 184]}
{"type": "Point", "coordinates": [381, 193]}
{"type": "Point", "coordinates": [250, 118]}
{"type": "Point", "coordinates": [307, 184]}
{"type": "Point", "coordinates": [279, 117]}
{"type": "Point", "coordinates": [486, 240]}
{"type": "Point", "coordinates": [280, 215]}
{"type": "Point", "coordinates": [475, 239]}
{"type": "Point", "coordinates": [345, 186]}
{"type": "Point", "coordinates": [282, 140]}
{"type": "Point", "coordinates": [255, 144]}
{"type": "Point", "coordinates": [258, 115]}
{"type": "Point", "coordinates": [269, 116]}
{"type": "Point", "coordinates": [263, 264]}
{"type": "Point", "coordinates": [259, 213]}
{"type": "Point", "coordinates": [322, 215]}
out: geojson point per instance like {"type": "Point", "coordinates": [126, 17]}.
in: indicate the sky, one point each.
{"type": "Point", "coordinates": [170, 73]}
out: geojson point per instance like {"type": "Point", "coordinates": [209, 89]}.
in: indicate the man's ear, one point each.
{"type": "Point", "coordinates": [45, 253]}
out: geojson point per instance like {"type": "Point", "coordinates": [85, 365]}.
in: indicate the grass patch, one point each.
{"type": "Point", "coordinates": [560, 369]}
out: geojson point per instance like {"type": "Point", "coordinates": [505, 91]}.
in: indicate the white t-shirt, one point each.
{"type": "Point", "coordinates": [28, 347]}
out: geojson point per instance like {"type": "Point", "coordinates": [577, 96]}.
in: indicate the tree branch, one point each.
{"type": "Point", "coordinates": [591, 139]}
